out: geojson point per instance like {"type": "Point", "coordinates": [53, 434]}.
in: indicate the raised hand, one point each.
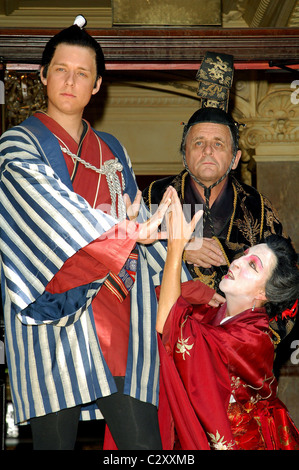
{"type": "Point", "coordinates": [178, 229]}
{"type": "Point", "coordinates": [148, 232]}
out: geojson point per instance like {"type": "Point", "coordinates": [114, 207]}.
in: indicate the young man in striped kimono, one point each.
{"type": "Point", "coordinates": [78, 291]}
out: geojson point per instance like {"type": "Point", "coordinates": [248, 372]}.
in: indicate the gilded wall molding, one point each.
{"type": "Point", "coordinates": [270, 113]}
{"type": "Point", "coordinates": [235, 13]}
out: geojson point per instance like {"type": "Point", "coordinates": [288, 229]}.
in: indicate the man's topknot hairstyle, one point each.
{"type": "Point", "coordinates": [73, 36]}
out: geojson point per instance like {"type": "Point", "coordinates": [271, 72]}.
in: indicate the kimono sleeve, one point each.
{"type": "Point", "coordinates": [96, 260]}
{"type": "Point", "coordinates": [202, 375]}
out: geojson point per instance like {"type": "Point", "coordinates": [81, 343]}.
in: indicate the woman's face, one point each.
{"type": "Point", "coordinates": [247, 276]}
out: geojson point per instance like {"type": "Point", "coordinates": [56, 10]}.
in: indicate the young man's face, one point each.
{"type": "Point", "coordinates": [71, 80]}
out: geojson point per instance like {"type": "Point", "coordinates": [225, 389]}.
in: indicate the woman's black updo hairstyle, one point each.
{"type": "Point", "coordinates": [282, 288]}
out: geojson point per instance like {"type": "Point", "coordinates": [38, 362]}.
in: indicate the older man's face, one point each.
{"type": "Point", "coordinates": [209, 151]}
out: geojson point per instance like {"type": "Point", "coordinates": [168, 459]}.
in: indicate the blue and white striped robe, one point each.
{"type": "Point", "coordinates": [53, 353]}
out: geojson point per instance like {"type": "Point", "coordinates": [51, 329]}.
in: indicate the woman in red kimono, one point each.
{"type": "Point", "coordinates": [218, 390]}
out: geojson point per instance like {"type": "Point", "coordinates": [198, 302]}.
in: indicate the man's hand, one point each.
{"type": "Point", "coordinates": [148, 232]}
{"type": "Point", "coordinates": [204, 253]}
{"type": "Point", "coordinates": [178, 229]}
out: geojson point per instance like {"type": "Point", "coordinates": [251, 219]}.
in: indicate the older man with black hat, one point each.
{"type": "Point", "coordinates": [236, 215]}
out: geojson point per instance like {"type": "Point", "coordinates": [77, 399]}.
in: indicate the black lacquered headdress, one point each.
{"type": "Point", "coordinates": [215, 77]}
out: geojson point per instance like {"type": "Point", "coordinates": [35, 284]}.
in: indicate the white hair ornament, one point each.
{"type": "Point", "coordinates": [80, 21]}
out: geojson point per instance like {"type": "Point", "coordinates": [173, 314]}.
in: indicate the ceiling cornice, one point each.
{"type": "Point", "coordinates": [164, 46]}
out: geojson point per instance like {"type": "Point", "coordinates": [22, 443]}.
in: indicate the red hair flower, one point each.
{"type": "Point", "coordinates": [290, 312]}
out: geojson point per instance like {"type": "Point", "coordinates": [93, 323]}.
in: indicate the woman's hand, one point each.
{"type": "Point", "coordinates": [217, 300]}
{"type": "Point", "coordinates": [178, 229]}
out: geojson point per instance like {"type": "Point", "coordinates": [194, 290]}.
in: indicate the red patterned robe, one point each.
{"type": "Point", "coordinates": [218, 390]}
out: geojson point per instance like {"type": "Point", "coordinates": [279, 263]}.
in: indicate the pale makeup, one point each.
{"type": "Point", "coordinates": [246, 279]}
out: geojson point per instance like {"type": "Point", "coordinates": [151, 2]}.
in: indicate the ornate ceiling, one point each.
{"type": "Point", "coordinates": [256, 32]}
{"type": "Point", "coordinates": [58, 13]}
